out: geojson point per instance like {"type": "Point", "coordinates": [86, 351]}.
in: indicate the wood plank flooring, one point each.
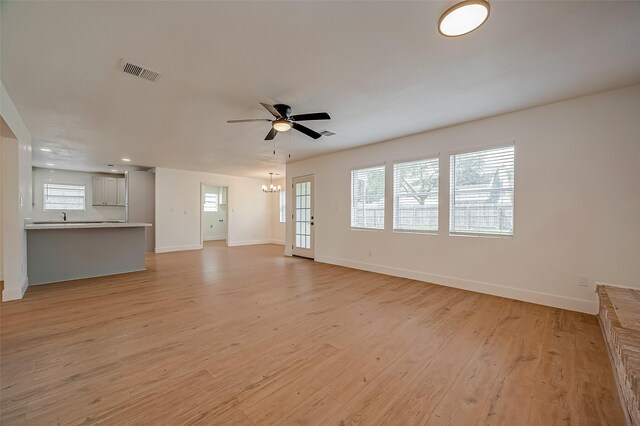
{"type": "Point", "coordinates": [244, 335]}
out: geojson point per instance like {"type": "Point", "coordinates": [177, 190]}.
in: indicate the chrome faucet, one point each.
{"type": "Point", "coordinates": [64, 216]}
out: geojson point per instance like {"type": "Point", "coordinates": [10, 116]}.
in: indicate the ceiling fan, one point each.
{"type": "Point", "coordinates": [284, 121]}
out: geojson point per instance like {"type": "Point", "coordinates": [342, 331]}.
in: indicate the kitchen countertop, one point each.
{"type": "Point", "coordinates": [81, 225]}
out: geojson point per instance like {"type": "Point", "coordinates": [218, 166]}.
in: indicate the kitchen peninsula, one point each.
{"type": "Point", "coordinates": [61, 251]}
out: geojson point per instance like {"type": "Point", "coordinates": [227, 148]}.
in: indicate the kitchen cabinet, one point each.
{"type": "Point", "coordinates": [122, 192]}
{"type": "Point", "coordinates": [222, 198]}
{"type": "Point", "coordinates": [105, 191]}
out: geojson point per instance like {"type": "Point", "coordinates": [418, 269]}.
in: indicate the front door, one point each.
{"type": "Point", "coordinates": [303, 216]}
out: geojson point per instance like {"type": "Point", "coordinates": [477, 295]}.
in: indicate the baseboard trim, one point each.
{"type": "Point", "coordinates": [248, 243]}
{"type": "Point", "coordinates": [178, 248]}
{"type": "Point", "coordinates": [547, 299]}
{"type": "Point", "coordinates": [229, 244]}
{"type": "Point", "coordinates": [214, 239]}
{"type": "Point", "coordinates": [15, 293]}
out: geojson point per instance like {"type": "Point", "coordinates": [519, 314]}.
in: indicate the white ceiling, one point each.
{"type": "Point", "coordinates": [379, 68]}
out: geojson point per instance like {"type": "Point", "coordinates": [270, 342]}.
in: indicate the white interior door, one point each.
{"type": "Point", "coordinates": [303, 235]}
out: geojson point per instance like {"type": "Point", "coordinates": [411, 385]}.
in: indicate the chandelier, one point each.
{"type": "Point", "coordinates": [271, 187]}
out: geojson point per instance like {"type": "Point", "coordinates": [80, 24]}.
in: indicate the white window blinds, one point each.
{"type": "Point", "coordinates": [367, 198]}
{"type": "Point", "coordinates": [283, 206]}
{"type": "Point", "coordinates": [482, 192]}
{"type": "Point", "coordinates": [63, 197]}
{"type": "Point", "coordinates": [210, 202]}
{"type": "Point", "coordinates": [415, 196]}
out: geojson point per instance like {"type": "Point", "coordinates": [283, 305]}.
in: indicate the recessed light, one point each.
{"type": "Point", "coordinates": [463, 18]}
{"type": "Point", "coordinates": [45, 149]}
{"type": "Point", "coordinates": [126, 159]}
{"type": "Point", "coordinates": [114, 171]}
{"type": "Point", "coordinates": [50, 164]}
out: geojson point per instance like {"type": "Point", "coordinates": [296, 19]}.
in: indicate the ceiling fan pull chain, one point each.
{"type": "Point", "coordinates": [289, 145]}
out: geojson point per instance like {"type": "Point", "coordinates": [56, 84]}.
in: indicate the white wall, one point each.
{"type": "Point", "coordinates": [16, 198]}
{"type": "Point", "coordinates": [212, 228]}
{"type": "Point", "coordinates": [42, 176]}
{"type": "Point", "coordinates": [277, 228]}
{"type": "Point", "coordinates": [1, 226]}
{"type": "Point", "coordinates": [178, 209]}
{"type": "Point", "coordinates": [142, 202]}
{"type": "Point", "coordinates": [577, 205]}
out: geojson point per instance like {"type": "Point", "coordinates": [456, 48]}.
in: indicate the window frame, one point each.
{"type": "Point", "coordinates": [282, 206]}
{"type": "Point", "coordinates": [494, 235]}
{"type": "Point", "coordinates": [393, 188]}
{"type": "Point", "coordinates": [204, 203]}
{"type": "Point", "coordinates": [44, 197]}
{"type": "Point", "coordinates": [382, 165]}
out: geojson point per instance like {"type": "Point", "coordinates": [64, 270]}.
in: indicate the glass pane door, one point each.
{"type": "Point", "coordinates": [303, 214]}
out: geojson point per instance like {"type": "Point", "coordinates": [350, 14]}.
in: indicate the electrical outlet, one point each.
{"type": "Point", "coordinates": [583, 281]}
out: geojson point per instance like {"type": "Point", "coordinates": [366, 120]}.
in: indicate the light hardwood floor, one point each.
{"type": "Point", "coordinates": [246, 336]}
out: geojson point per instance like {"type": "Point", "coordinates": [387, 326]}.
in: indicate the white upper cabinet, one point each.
{"type": "Point", "coordinates": [108, 191]}
{"type": "Point", "coordinates": [122, 192]}
{"type": "Point", "coordinates": [98, 191]}
{"type": "Point", "coordinates": [222, 199]}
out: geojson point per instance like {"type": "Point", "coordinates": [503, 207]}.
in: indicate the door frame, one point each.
{"type": "Point", "coordinates": [202, 186]}
{"type": "Point", "coordinates": [306, 253]}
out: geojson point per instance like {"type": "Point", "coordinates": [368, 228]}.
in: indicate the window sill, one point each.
{"type": "Point", "coordinates": [480, 235]}
{"type": "Point", "coordinates": [417, 232]}
{"type": "Point", "coordinates": [368, 229]}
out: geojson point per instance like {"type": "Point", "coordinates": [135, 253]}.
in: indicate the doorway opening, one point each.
{"type": "Point", "coordinates": [214, 223]}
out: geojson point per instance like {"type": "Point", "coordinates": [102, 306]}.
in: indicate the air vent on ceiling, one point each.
{"type": "Point", "coordinates": [326, 132]}
{"type": "Point", "coordinates": [139, 71]}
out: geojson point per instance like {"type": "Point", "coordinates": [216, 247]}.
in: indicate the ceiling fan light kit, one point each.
{"type": "Point", "coordinates": [284, 121]}
{"type": "Point", "coordinates": [281, 125]}
{"type": "Point", "coordinates": [463, 17]}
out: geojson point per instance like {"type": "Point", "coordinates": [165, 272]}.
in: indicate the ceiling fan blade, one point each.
{"type": "Point", "coordinates": [272, 110]}
{"type": "Point", "coordinates": [272, 134]}
{"type": "Point", "coordinates": [248, 120]}
{"type": "Point", "coordinates": [307, 131]}
{"type": "Point", "coordinates": [312, 116]}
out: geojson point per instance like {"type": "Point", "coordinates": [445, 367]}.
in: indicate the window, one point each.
{"type": "Point", "coordinates": [283, 206]}
{"type": "Point", "coordinates": [210, 202]}
{"type": "Point", "coordinates": [367, 198]}
{"type": "Point", "coordinates": [415, 196]}
{"type": "Point", "coordinates": [482, 192]}
{"type": "Point", "coordinates": [63, 197]}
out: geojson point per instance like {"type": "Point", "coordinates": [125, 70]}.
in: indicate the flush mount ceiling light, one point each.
{"type": "Point", "coordinates": [272, 187]}
{"type": "Point", "coordinates": [281, 125]}
{"type": "Point", "coordinates": [45, 149]}
{"type": "Point", "coordinates": [463, 18]}
{"type": "Point", "coordinates": [126, 159]}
